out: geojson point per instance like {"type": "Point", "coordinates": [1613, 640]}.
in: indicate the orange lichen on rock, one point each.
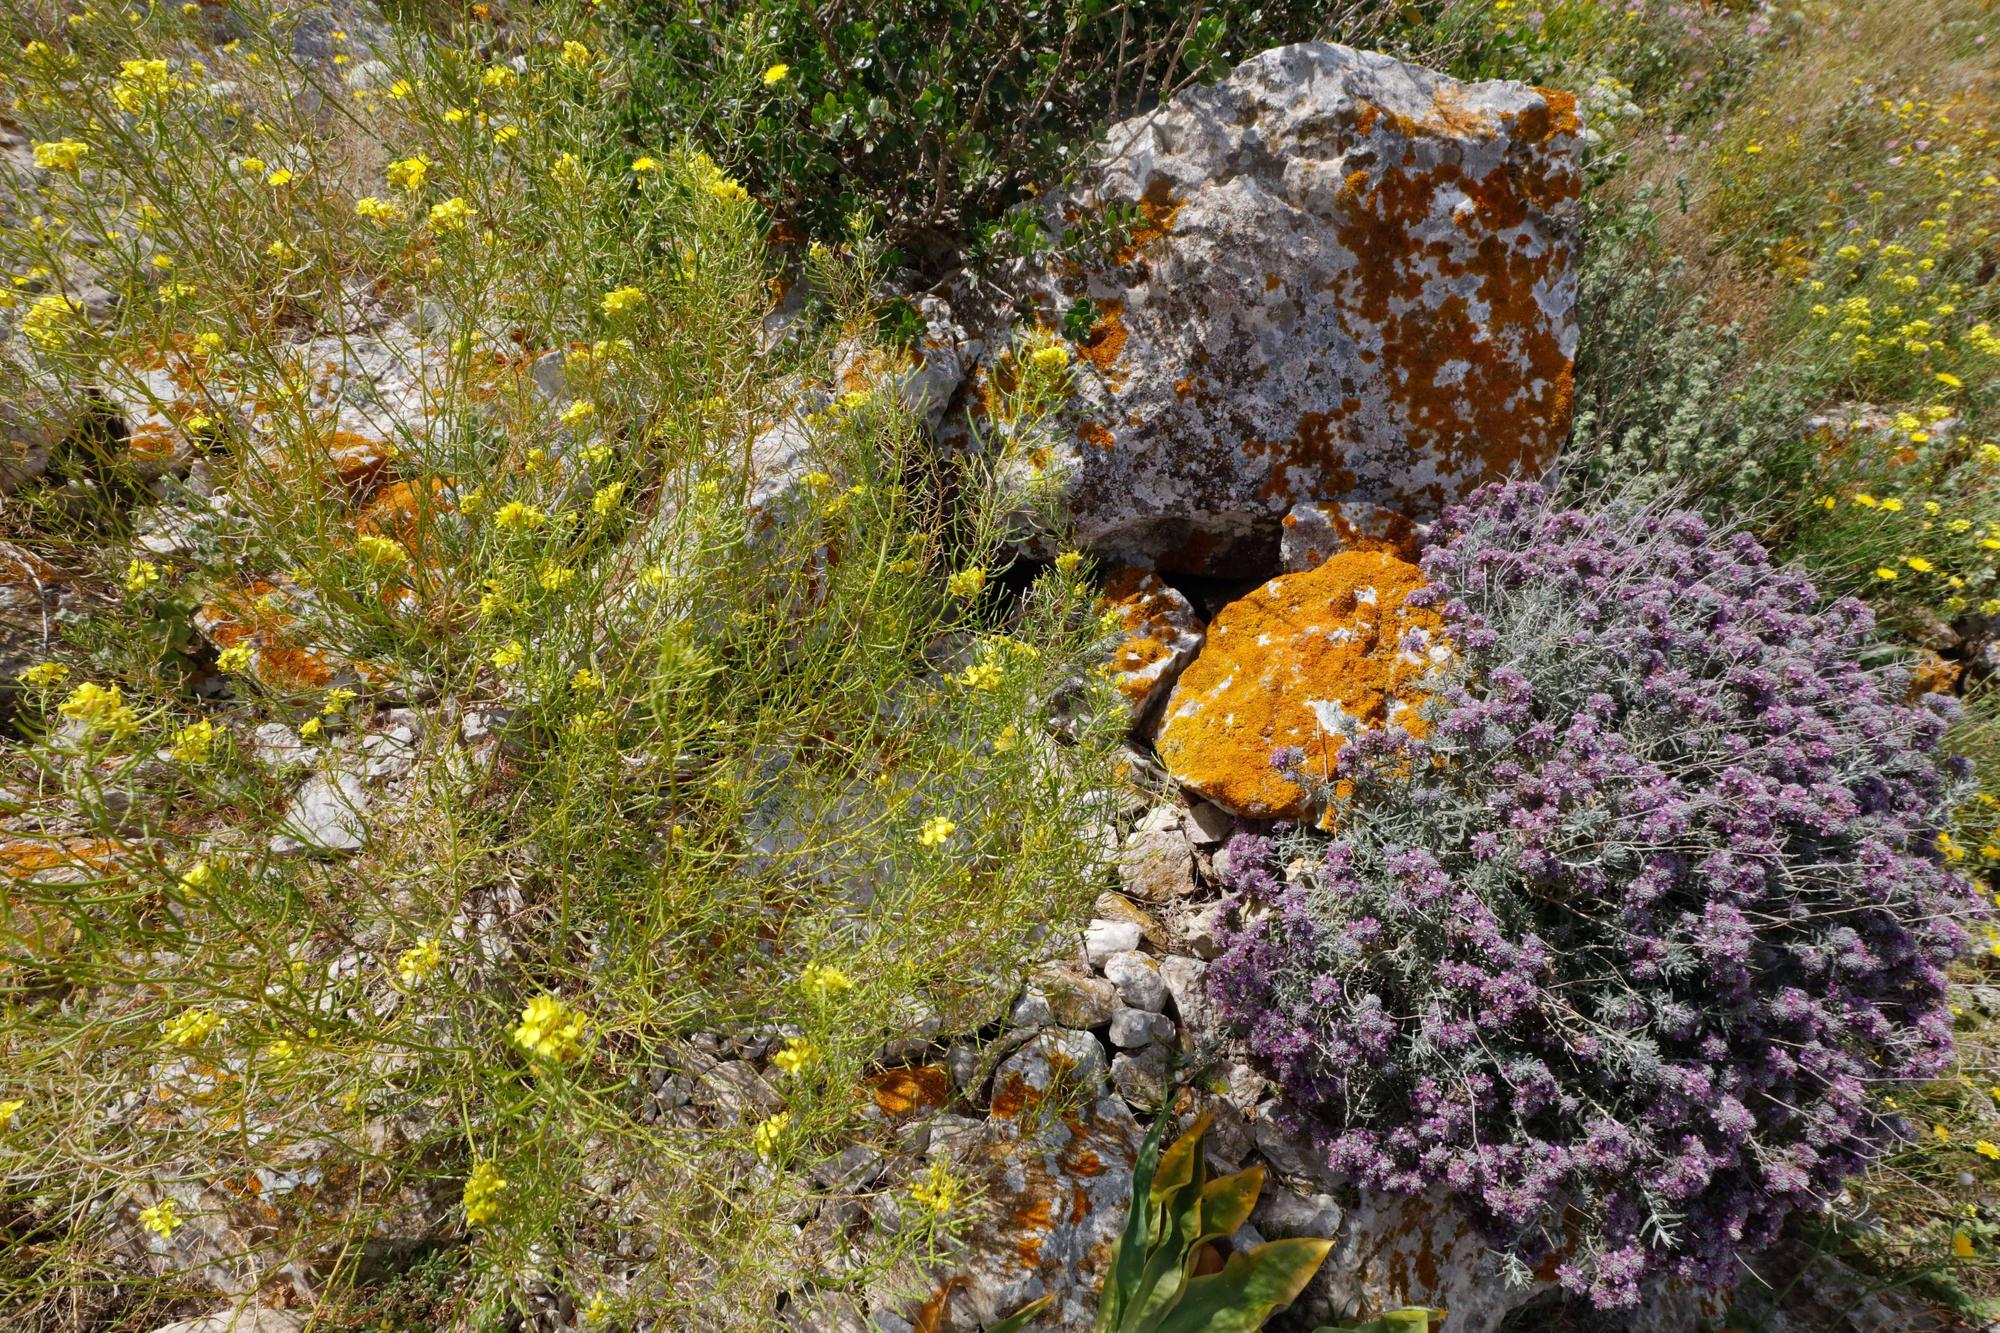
{"type": "Point", "coordinates": [1161, 633]}
{"type": "Point", "coordinates": [255, 616]}
{"type": "Point", "coordinates": [1305, 661]}
{"type": "Point", "coordinates": [907, 1091]}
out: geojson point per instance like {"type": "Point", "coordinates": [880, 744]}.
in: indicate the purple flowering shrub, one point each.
{"type": "Point", "coordinates": [1617, 950]}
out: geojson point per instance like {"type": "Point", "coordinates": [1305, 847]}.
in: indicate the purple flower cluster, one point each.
{"type": "Point", "coordinates": [1617, 949]}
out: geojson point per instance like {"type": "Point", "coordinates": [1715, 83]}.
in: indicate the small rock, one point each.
{"type": "Point", "coordinates": [1186, 980]}
{"type": "Point", "coordinates": [1160, 634]}
{"type": "Point", "coordinates": [1117, 907]}
{"type": "Point", "coordinates": [1283, 1215]}
{"type": "Point", "coordinates": [1075, 998]}
{"type": "Point", "coordinates": [1157, 864]}
{"type": "Point", "coordinates": [738, 1091]}
{"type": "Point", "coordinates": [1101, 939]}
{"type": "Point", "coordinates": [278, 746]}
{"type": "Point", "coordinates": [1208, 824]}
{"type": "Point", "coordinates": [1141, 1077]}
{"type": "Point", "coordinates": [1138, 980]}
{"type": "Point", "coordinates": [1132, 1029]}
{"type": "Point", "coordinates": [1056, 1055]}
{"type": "Point", "coordinates": [1032, 1010]}
{"type": "Point", "coordinates": [253, 1320]}
{"type": "Point", "coordinates": [1200, 933]}
{"type": "Point", "coordinates": [391, 753]}
{"type": "Point", "coordinates": [328, 817]}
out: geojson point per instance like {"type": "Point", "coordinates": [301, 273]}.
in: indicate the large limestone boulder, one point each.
{"type": "Point", "coordinates": [1299, 665]}
{"type": "Point", "coordinates": [1350, 278]}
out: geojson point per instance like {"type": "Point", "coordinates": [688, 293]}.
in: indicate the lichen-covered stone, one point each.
{"type": "Point", "coordinates": [1159, 635]}
{"type": "Point", "coordinates": [1352, 279]}
{"type": "Point", "coordinates": [1301, 663]}
{"type": "Point", "coordinates": [1315, 531]}
{"type": "Point", "coordinates": [1053, 1163]}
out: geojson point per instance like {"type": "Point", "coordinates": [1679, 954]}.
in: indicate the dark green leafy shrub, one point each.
{"type": "Point", "coordinates": [936, 116]}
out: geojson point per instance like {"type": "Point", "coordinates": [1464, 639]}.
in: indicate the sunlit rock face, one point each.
{"type": "Point", "coordinates": [1329, 276]}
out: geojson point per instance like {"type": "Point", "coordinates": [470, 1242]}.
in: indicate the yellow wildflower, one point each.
{"type": "Point", "coordinates": [550, 1030]}
{"type": "Point", "coordinates": [1050, 359]}
{"type": "Point", "coordinates": [575, 54]}
{"type": "Point", "coordinates": [514, 514]}
{"type": "Point", "coordinates": [377, 210]}
{"type": "Point", "coordinates": [234, 660]}
{"type": "Point", "coordinates": [9, 1109]}
{"type": "Point", "coordinates": [622, 300]}
{"type": "Point", "coordinates": [936, 831]}
{"type": "Point", "coordinates": [578, 412]}
{"type": "Point", "coordinates": [1006, 740]}
{"type": "Point", "coordinates": [797, 1054]}
{"type": "Point", "coordinates": [938, 1190]}
{"type": "Point", "coordinates": [984, 675]}
{"type": "Point", "coordinates": [141, 575]}
{"type": "Point", "coordinates": [416, 963]}
{"type": "Point", "coordinates": [410, 173]}
{"type": "Point", "coordinates": [279, 178]}
{"type": "Point", "coordinates": [382, 552]}
{"type": "Point", "coordinates": [42, 675]}
{"type": "Point", "coordinates": [554, 577]}
{"type": "Point", "coordinates": [312, 729]}
{"type": "Point", "coordinates": [1067, 562]}
{"type": "Point", "coordinates": [770, 1133]}
{"type": "Point", "coordinates": [823, 981]}
{"type": "Point", "coordinates": [607, 498]}
{"type": "Point", "coordinates": [1985, 1149]}
{"type": "Point", "coordinates": [452, 215]}
{"type": "Point", "coordinates": [481, 1199]}
{"type": "Point", "coordinates": [509, 654]}
{"type": "Point", "coordinates": [190, 1028]}
{"type": "Point", "coordinates": [1885, 573]}
{"type": "Point", "coordinates": [162, 1218]}
{"type": "Point", "coordinates": [643, 165]}
{"type": "Point", "coordinates": [1961, 1245]}
{"type": "Point", "coordinates": [776, 74]}
{"type": "Point", "coordinates": [967, 583]}
{"type": "Point", "coordinates": [1918, 563]}
{"type": "Point", "coordinates": [197, 877]}
{"type": "Point", "coordinates": [62, 155]}
{"type": "Point", "coordinates": [52, 321]}
{"type": "Point", "coordinates": [194, 743]}
{"type": "Point", "coordinates": [100, 709]}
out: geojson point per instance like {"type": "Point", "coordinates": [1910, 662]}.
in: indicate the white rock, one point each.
{"type": "Point", "coordinates": [1138, 980]}
{"type": "Point", "coordinates": [1132, 1029]}
{"type": "Point", "coordinates": [1208, 824]}
{"type": "Point", "coordinates": [327, 817]}
{"type": "Point", "coordinates": [1186, 980]}
{"type": "Point", "coordinates": [1101, 939]}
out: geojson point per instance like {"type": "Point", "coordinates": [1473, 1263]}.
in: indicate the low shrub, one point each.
{"type": "Point", "coordinates": [1617, 950]}
{"type": "Point", "coordinates": [936, 117]}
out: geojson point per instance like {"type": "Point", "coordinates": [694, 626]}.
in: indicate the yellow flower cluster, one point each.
{"type": "Point", "coordinates": [550, 1030]}
{"type": "Point", "coordinates": [823, 981]}
{"type": "Point", "coordinates": [101, 709]}
{"type": "Point", "coordinates": [481, 1198]}
{"type": "Point", "coordinates": [194, 744]}
{"type": "Point", "coordinates": [417, 963]}
{"type": "Point", "coordinates": [190, 1027]}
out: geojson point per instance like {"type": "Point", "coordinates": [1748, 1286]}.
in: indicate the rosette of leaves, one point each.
{"type": "Point", "coordinates": [1614, 952]}
{"type": "Point", "coordinates": [1157, 1281]}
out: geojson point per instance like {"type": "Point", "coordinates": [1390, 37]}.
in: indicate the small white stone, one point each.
{"type": "Point", "coordinates": [1101, 939]}
{"type": "Point", "coordinates": [1138, 980]}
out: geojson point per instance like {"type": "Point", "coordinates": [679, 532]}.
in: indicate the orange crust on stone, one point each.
{"type": "Point", "coordinates": [1299, 640]}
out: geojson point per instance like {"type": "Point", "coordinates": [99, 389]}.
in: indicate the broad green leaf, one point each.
{"type": "Point", "coordinates": [1020, 1319]}
{"type": "Point", "coordinates": [1128, 1254]}
{"type": "Point", "coordinates": [1226, 1204]}
{"type": "Point", "coordinates": [1251, 1287]}
{"type": "Point", "coordinates": [1178, 1163]}
{"type": "Point", "coordinates": [1409, 1319]}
